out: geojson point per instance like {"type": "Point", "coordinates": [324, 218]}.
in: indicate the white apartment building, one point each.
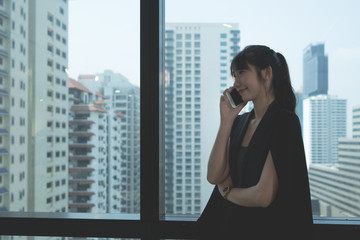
{"type": "Point", "coordinates": [356, 122]}
{"type": "Point", "coordinates": [114, 161]}
{"type": "Point", "coordinates": [33, 102]}
{"type": "Point", "coordinates": [93, 160]}
{"type": "Point", "coordinates": [337, 185]}
{"type": "Point", "coordinates": [124, 98]}
{"type": "Point", "coordinates": [197, 65]}
{"type": "Point", "coordinates": [14, 54]}
{"type": "Point", "coordinates": [48, 105]}
{"type": "Point", "coordinates": [324, 122]}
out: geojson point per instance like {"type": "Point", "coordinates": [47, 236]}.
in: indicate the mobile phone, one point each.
{"type": "Point", "coordinates": [234, 98]}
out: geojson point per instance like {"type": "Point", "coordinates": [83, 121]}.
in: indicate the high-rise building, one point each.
{"type": "Point", "coordinates": [337, 185]}
{"type": "Point", "coordinates": [356, 122]}
{"type": "Point", "coordinates": [47, 103]}
{"type": "Point", "coordinates": [87, 158]}
{"type": "Point", "coordinates": [14, 138]}
{"type": "Point", "coordinates": [33, 105]}
{"type": "Point", "coordinates": [315, 70]}
{"type": "Point", "coordinates": [94, 151]}
{"type": "Point", "coordinates": [122, 99]}
{"type": "Point", "coordinates": [197, 65]}
{"type": "Point", "coordinates": [324, 121]}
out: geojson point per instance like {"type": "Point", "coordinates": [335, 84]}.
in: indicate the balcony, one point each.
{"type": "Point", "coordinates": [81, 205]}
{"type": "Point", "coordinates": [3, 171]}
{"type": "Point", "coordinates": [3, 132]}
{"type": "Point", "coordinates": [81, 181]}
{"type": "Point", "coordinates": [4, 34]}
{"type": "Point", "coordinates": [75, 100]}
{"type": "Point", "coordinates": [81, 193]}
{"type": "Point", "coordinates": [81, 122]}
{"type": "Point", "coordinates": [81, 157]}
{"type": "Point", "coordinates": [81, 134]}
{"type": "Point", "coordinates": [3, 209]}
{"type": "Point", "coordinates": [4, 53]}
{"type": "Point", "coordinates": [87, 109]}
{"type": "Point", "coordinates": [79, 145]}
{"type": "Point", "coordinates": [3, 191]}
{"type": "Point", "coordinates": [3, 151]}
{"type": "Point", "coordinates": [80, 170]}
{"type": "Point", "coordinates": [4, 14]}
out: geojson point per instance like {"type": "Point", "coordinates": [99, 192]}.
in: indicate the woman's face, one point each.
{"type": "Point", "coordinates": [249, 84]}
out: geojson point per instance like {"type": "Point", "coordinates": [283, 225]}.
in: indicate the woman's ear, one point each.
{"type": "Point", "coordinates": [267, 76]}
{"type": "Point", "coordinates": [267, 73]}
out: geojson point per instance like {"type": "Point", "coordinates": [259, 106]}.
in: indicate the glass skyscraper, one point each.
{"type": "Point", "coordinates": [315, 70]}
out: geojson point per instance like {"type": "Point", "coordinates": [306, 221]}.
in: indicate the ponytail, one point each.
{"type": "Point", "coordinates": [284, 92]}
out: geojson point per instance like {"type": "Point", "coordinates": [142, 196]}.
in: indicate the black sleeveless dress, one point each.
{"type": "Point", "coordinates": [279, 132]}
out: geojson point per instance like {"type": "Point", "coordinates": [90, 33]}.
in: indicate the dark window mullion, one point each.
{"type": "Point", "coordinates": [149, 109]}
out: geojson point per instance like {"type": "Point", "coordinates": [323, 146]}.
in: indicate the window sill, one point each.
{"type": "Point", "coordinates": [130, 225]}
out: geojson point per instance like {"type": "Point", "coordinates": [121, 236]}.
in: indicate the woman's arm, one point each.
{"type": "Point", "coordinates": [218, 166]}
{"type": "Point", "coordinates": [260, 195]}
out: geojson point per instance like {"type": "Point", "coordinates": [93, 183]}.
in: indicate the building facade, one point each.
{"type": "Point", "coordinates": [356, 122]}
{"type": "Point", "coordinates": [94, 152]}
{"type": "Point", "coordinates": [315, 70]}
{"type": "Point", "coordinates": [324, 121]}
{"type": "Point", "coordinates": [48, 106]}
{"type": "Point", "coordinates": [336, 186]}
{"type": "Point", "coordinates": [14, 122]}
{"type": "Point", "coordinates": [124, 98]}
{"type": "Point", "coordinates": [33, 105]}
{"type": "Point", "coordinates": [122, 101]}
{"type": "Point", "coordinates": [197, 65]}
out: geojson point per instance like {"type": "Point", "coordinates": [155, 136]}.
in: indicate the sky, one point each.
{"type": "Point", "coordinates": [105, 34]}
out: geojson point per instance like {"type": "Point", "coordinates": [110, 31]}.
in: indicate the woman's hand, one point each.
{"type": "Point", "coordinates": [227, 112]}
{"type": "Point", "coordinates": [225, 186]}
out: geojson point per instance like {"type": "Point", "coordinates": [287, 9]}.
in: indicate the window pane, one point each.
{"type": "Point", "coordinates": [104, 100]}
{"type": "Point", "coordinates": [322, 52]}
{"type": "Point", "coordinates": [69, 106]}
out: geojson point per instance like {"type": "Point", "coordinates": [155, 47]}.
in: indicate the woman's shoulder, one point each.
{"type": "Point", "coordinates": [286, 121]}
{"type": "Point", "coordinates": [284, 116]}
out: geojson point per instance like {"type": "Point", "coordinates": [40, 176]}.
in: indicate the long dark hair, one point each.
{"type": "Point", "coordinates": [261, 57]}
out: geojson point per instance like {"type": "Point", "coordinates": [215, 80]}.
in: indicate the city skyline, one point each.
{"type": "Point", "coordinates": [35, 145]}
{"type": "Point", "coordinates": [70, 111]}
{"type": "Point", "coordinates": [325, 22]}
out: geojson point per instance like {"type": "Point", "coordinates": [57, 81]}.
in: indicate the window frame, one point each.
{"type": "Point", "coordinates": [153, 223]}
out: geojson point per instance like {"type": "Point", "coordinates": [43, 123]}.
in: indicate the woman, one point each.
{"type": "Point", "coordinates": [257, 162]}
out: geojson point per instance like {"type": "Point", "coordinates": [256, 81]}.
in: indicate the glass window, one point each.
{"type": "Point", "coordinates": [322, 52]}
{"type": "Point", "coordinates": [190, 187]}
{"type": "Point", "coordinates": [67, 97]}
